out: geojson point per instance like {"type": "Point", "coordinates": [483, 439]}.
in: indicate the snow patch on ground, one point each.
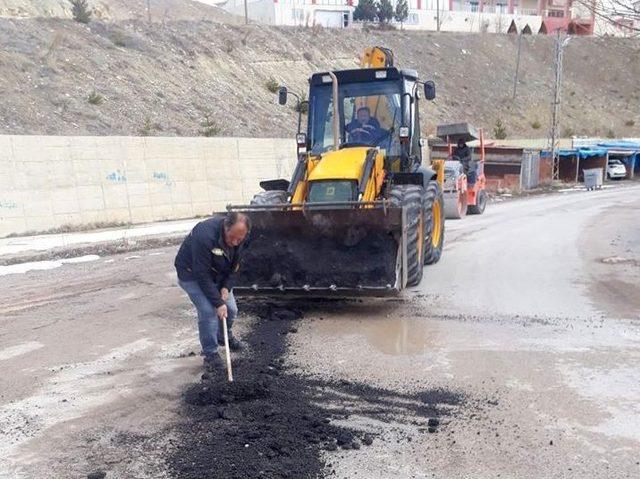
{"type": "Point", "coordinates": [19, 349]}
{"type": "Point", "coordinates": [22, 268]}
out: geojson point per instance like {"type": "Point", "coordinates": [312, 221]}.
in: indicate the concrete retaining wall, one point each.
{"type": "Point", "coordinates": [50, 181]}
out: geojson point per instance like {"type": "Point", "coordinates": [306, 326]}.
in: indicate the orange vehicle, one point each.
{"type": "Point", "coordinates": [464, 179]}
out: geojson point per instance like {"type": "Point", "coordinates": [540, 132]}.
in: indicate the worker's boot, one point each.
{"type": "Point", "coordinates": [234, 344]}
{"type": "Point", "coordinates": [213, 362]}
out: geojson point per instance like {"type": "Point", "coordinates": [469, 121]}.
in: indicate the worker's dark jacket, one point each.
{"type": "Point", "coordinates": [464, 153]}
{"type": "Point", "coordinates": [204, 257]}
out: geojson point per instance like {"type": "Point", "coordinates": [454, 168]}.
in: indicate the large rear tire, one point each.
{"type": "Point", "coordinates": [434, 223]}
{"type": "Point", "coordinates": [481, 203]}
{"type": "Point", "coordinates": [273, 197]}
{"type": "Point", "coordinates": [411, 198]}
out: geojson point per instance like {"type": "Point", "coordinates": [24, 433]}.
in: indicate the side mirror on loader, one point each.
{"type": "Point", "coordinates": [430, 90]}
{"type": "Point", "coordinates": [282, 95]}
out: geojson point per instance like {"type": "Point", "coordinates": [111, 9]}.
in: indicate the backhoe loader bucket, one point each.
{"type": "Point", "coordinates": [327, 249]}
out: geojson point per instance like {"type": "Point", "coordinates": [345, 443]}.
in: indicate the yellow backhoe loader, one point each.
{"type": "Point", "coordinates": [361, 214]}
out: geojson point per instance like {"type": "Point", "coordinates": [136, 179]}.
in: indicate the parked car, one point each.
{"type": "Point", "coordinates": [616, 170]}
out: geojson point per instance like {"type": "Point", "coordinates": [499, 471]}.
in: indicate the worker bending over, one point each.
{"type": "Point", "coordinates": [206, 262]}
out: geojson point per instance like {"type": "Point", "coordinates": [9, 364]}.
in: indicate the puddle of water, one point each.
{"type": "Point", "coordinates": [393, 335]}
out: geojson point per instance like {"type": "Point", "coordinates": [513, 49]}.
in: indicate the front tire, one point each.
{"type": "Point", "coordinates": [434, 222]}
{"type": "Point", "coordinates": [273, 197]}
{"type": "Point", "coordinates": [411, 198]}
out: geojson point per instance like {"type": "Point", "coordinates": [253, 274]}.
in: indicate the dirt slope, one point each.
{"type": "Point", "coordinates": [164, 78]}
{"type": "Point", "coordinates": [113, 10]}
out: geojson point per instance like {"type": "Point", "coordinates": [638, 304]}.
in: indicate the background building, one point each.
{"type": "Point", "coordinates": [501, 16]}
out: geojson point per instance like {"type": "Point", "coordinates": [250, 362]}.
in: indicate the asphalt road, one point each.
{"type": "Point", "coordinates": [531, 318]}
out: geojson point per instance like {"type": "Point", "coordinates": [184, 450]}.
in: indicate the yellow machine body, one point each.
{"type": "Point", "coordinates": [347, 164]}
{"type": "Point", "coordinates": [354, 246]}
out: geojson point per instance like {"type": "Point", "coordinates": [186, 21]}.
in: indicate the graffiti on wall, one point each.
{"type": "Point", "coordinates": [8, 205]}
{"type": "Point", "coordinates": [116, 177]}
{"type": "Point", "coordinates": [162, 177]}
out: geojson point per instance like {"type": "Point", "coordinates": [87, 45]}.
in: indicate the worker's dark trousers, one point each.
{"type": "Point", "coordinates": [209, 326]}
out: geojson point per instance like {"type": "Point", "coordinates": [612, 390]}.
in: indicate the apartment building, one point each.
{"type": "Point", "coordinates": [501, 16]}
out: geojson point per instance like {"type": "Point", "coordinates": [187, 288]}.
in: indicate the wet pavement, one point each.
{"type": "Point", "coordinates": [522, 339]}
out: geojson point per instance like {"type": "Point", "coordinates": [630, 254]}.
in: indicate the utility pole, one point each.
{"type": "Point", "coordinates": [438, 15]}
{"type": "Point", "coordinates": [561, 42]}
{"type": "Point", "coordinates": [515, 78]}
{"type": "Point", "coordinates": [246, 13]}
{"type": "Point", "coordinates": [149, 10]}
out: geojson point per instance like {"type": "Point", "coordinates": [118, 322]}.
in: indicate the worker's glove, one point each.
{"type": "Point", "coordinates": [222, 311]}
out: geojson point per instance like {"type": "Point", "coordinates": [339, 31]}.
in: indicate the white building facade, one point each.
{"type": "Point", "coordinates": [326, 13]}
{"type": "Point", "coordinates": [500, 16]}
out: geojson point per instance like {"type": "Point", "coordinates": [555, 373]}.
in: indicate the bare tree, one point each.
{"type": "Point", "coordinates": [622, 15]}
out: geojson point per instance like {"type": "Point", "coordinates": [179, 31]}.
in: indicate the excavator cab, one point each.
{"type": "Point", "coordinates": [361, 213]}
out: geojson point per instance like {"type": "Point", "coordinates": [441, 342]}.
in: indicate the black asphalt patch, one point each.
{"type": "Point", "coordinates": [274, 423]}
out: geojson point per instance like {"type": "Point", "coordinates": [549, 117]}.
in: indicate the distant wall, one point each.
{"type": "Point", "coordinates": [50, 181]}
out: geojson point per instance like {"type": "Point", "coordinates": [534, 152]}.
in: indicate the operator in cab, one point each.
{"type": "Point", "coordinates": [463, 153]}
{"type": "Point", "coordinates": [206, 264]}
{"type": "Point", "coordinates": [364, 128]}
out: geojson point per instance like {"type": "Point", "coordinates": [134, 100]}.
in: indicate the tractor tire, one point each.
{"type": "Point", "coordinates": [411, 198]}
{"type": "Point", "coordinates": [481, 204]}
{"type": "Point", "coordinates": [274, 197]}
{"type": "Point", "coordinates": [434, 223]}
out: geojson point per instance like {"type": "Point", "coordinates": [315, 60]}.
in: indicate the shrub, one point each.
{"type": "Point", "coordinates": [272, 85]}
{"type": "Point", "coordinates": [567, 131]}
{"type": "Point", "coordinates": [611, 133]}
{"type": "Point", "coordinates": [95, 98]}
{"type": "Point", "coordinates": [499, 130]}
{"type": "Point", "coordinates": [303, 106]}
{"type": "Point", "coordinates": [629, 123]}
{"type": "Point", "coordinates": [119, 40]}
{"type": "Point", "coordinates": [147, 127]}
{"type": "Point", "coordinates": [209, 126]}
{"type": "Point", "coordinates": [536, 125]}
{"type": "Point", "coordinates": [80, 11]}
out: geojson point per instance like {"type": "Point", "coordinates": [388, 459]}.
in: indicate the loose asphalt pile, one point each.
{"type": "Point", "coordinates": [316, 260]}
{"type": "Point", "coordinates": [273, 423]}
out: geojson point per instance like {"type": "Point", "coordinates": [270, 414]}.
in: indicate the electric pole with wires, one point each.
{"type": "Point", "coordinates": [561, 43]}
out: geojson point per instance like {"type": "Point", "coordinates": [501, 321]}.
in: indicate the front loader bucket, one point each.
{"type": "Point", "coordinates": [341, 249]}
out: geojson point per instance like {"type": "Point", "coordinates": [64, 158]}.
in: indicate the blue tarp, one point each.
{"type": "Point", "coordinates": [633, 159]}
{"type": "Point", "coordinates": [583, 152]}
